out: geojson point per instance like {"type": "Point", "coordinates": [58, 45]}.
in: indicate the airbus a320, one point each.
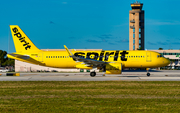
{"type": "Point", "coordinates": [111, 61]}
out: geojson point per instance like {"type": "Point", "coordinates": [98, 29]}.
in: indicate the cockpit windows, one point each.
{"type": "Point", "coordinates": [160, 56]}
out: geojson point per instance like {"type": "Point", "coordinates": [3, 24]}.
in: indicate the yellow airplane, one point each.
{"type": "Point", "coordinates": [111, 61]}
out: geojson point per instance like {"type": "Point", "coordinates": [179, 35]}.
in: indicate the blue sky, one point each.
{"type": "Point", "coordinates": [89, 24]}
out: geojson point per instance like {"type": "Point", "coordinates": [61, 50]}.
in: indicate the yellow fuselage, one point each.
{"type": "Point", "coordinates": [129, 59]}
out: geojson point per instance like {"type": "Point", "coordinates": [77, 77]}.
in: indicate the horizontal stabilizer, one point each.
{"type": "Point", "coordinates": [25, 58]}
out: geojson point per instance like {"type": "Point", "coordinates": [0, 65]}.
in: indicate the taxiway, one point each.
{"type": "Point", "coordinates": [165, 75]}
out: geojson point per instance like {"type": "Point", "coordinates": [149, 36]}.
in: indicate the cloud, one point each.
{"type": "Point", "coordinates": [176, 43]}
{"type": "Point", "coordinates": [93, 41]}
{"type": "Point", "coordinates": [104, 40]}
{"type": "Point", "coordinates": [120, 25]}
{"type": "Point", "coordinates": [162, 43]}
{"type": "Point", "coordinates": [150, 43]}
{"type": "Point", "coordinates": [111, 43]}
{"type": "Point", "coordinates": [123, 41]}
{"type": "Point", "coordinates": [161, 22]}
{"type": "Point", "coordinates": [51, 22]}
{"type": "Point", "coordinates": [64, 2]}
{"type": "Point", "coordinates": [72, 37]}
{"type": "Point", "coordinates": [105, 36]}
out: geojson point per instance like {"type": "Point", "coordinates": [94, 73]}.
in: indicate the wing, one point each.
{"type": "Point", "coordinates": [87, 61]}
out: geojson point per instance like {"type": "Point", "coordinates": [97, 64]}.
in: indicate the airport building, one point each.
{"type": "Point", "coordinates": [173, 55]}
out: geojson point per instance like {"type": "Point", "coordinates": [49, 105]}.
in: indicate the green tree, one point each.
{"type": "Point", "coordinates": [3, 57]}
{"type": "Point", "coordinates": [139, 48]}
{"type": "Point", "coordinates": [8, 62]}
{"type": "Point", "coordinates": [160, 49]}
{"type": "Point", "coordinates": [4, 61]}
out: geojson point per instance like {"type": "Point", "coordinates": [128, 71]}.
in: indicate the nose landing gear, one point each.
{"type": "Point", "coordinates": [148, 74]}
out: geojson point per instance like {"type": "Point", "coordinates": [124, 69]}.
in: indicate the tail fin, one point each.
{"type": "Point", "coordinates": [21, 42]}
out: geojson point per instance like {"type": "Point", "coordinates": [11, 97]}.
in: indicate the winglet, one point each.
{"type": "Point", "coordinates": [69, 52]}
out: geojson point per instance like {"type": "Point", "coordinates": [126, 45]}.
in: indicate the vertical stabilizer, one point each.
{"type": "Point", "coordinates": [21, 42]}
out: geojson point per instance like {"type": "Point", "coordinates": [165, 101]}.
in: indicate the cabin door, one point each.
{"type": "Point", "coordinates": [148, 56]}
{"type": "Point", "coordinates": [40, 57]}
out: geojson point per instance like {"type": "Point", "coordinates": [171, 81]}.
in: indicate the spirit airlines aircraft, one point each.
{"type": "Point", "coordinates": [111, 61]}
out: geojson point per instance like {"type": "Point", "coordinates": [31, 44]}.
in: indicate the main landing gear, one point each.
{"type": "Point", "coordinates": [148, 74]}
{"type": "Point", "coordinates": [93, 74]}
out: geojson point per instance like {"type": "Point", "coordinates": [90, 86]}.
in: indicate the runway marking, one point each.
{"type": "Point", "coordinates": [30, 78]}
{"type": "Point", "coordinates": [30, 74]}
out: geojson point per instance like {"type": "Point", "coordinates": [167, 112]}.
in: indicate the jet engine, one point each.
{"type": "Point", "coordinates": [113, 68]}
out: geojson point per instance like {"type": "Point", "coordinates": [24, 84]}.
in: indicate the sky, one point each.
{"type": "Point", "coordinates": [88, 24]}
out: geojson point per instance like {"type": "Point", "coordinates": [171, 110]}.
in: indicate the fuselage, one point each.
{"type": "Point", "coordinates": [129, 59]}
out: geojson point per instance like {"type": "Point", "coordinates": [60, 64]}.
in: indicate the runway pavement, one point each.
{"type": "Point", "coordinates": [165, 75]}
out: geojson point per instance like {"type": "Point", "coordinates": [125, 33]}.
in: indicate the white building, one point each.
{"type": "Point", "coordinates": [171, 54]}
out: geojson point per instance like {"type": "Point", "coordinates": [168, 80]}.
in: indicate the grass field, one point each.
{"type": "Point", "coordinates": [74, 96]}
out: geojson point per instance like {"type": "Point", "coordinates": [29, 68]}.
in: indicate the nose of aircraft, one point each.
{"type": "Point", "coordinates": [166, 61]}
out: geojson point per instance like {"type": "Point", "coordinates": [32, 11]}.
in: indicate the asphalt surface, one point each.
{"type": "Point", "coordinates": [165, 75]}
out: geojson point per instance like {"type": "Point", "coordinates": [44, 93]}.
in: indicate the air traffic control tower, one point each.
{"type": "Point", "coordinates": [136, 27]}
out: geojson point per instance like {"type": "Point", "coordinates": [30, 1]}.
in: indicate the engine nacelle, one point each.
{"type": "Point", "coordinates": [83, 66]}
{"type": "Point", "coordinates": [113, 68]}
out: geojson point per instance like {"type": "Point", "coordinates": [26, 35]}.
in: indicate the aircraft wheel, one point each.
{"type": "Point", "coordinates": [93, 74]}
{"type": "Point", "coordinates": [148, 74]}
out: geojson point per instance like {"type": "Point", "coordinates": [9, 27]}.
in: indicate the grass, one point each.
{"type": "Point", "coordinates": [75, 96]}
